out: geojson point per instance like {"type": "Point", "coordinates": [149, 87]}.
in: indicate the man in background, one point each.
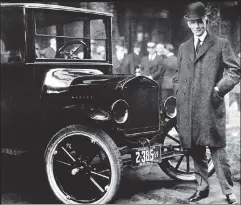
{"type": "Point", "coordinates": [100, 53]}
{"type": "Point", "coordinates": [152, 65]}
{"type": "Point", "coordinates": [133, 60]}
{"type": "Point", "coordinates": [160, 50]}
{"type": "Point", "coordinates": [119, 57]}
{"type": "Point", "coordinates": [45, 48]}
{"type": "Point", "coordinates": [170, 64]}
{"type": "Point", "coordinates": [93, 49]}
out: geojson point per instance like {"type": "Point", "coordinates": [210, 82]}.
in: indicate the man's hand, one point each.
{"type": "Point", "coordinates": [218, 92]}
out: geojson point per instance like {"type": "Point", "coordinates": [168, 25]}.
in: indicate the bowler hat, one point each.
{"type": "Point", "coordinates": [196, 11]}
{"type": "Point", "coordinates": [151, 44]}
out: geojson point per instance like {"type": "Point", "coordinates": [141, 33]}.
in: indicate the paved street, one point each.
{"type": "Point", "coordinates": [22, 181]}
{"type": "Point", "coordinates": [145, 185]}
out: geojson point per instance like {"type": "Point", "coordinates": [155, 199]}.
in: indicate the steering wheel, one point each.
{"type": "Point", "coordinates": [72, 53]}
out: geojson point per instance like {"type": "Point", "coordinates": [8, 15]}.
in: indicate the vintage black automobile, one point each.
{"type": "Point", "coordinates": [59, 99]}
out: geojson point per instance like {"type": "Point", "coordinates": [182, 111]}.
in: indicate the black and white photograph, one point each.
{"type": "Point", "coordinates": [120, 102]}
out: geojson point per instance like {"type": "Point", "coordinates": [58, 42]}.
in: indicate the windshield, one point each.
{"type": "Point", "coordinates": [12, 35]}
{"type": "Point", "coordinates": [69, 35]}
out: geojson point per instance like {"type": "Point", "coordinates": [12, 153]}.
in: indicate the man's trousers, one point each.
{"type": "Point", "coordinates": [221, 165]}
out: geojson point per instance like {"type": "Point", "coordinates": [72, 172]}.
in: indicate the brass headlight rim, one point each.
{"type": "Point", "coordinates": [165, 108]}
{"type": "Point", "coordinates": [127, 110]}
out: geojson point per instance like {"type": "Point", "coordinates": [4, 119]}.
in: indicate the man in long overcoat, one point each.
{"type": "Point", "coordinates": [200, 85]}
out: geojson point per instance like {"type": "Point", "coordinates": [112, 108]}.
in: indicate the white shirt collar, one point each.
{"type": "Point", "coordinates": [170, 54]}
{"type": "Point", "coordinates": [120, 55]}
{"type": "Point", "coordinates": [202, 37]}
{"type": "Point", "coordinates": [152, 57]}
{"type": "Point", "coordinates": [136, 53]}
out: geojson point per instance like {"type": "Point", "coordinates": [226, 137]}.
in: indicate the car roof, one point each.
{"type": "Point", "coordinates": [54, 7]}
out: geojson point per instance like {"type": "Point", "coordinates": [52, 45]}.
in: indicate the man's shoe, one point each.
{"type": "Point", "coordinates": [198, 195]}
{"type": "Point", "coordinates": [231, 199]}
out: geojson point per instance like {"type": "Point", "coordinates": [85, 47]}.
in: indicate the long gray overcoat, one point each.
{"type": "Point", "coordinates": [201, 113]}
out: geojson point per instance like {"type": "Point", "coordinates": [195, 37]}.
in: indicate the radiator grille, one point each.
{"type": "Point", "coordinates": [144, 109]}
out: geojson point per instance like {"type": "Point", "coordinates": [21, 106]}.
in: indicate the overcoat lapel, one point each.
{"type": "Point", "coordinates": [207, 43]}
{"type": "Point", "coordinates": [190, 49]}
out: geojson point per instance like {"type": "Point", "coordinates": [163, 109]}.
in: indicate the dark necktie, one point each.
{"type": "Point", "coordinates": [198, 46]}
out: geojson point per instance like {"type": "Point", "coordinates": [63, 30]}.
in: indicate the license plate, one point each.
{"type": "Point", "coordinates": [146, 155]}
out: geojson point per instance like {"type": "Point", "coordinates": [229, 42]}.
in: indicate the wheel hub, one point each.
{"type": "Point", "coordinates": [81, 167]}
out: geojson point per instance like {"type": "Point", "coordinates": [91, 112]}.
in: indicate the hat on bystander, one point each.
{"type": "Point", "coordinates": [151, 44]}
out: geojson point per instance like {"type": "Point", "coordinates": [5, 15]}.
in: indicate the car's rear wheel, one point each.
{"type": "Point", "coordinates": [83, 165]}
{"type": "Point", "coordinates": [180, 167]}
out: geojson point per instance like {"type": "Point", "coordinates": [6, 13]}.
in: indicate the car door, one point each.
{"type": "Point", "coordinates": [16, 78]}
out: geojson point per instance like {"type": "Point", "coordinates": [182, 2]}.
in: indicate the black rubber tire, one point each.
{"type": "Point", "coordinates": [169, 168]}
{"type": "Point", "coordinates": [107, 145]}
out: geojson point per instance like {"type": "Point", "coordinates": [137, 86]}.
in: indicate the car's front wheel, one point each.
{"type": "Point", "coordinates": [83, 165]}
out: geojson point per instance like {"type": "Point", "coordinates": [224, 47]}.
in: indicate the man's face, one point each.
{"type": "Point", "coordinates": [160, 49]}
{"type": "Point", "coordinates": [151, 49]}
{"type": "Point", "coordinates": [120, 49]}
{"type": "Point", "coordinates": [198, 27]}
{"type": "Point", "coordinates": [137, 50]}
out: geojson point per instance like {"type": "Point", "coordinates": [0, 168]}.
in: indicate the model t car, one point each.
{"type": "Point", "coordinates": [60, 99]}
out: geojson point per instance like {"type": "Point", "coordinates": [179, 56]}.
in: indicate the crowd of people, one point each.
{"type": "Point", "coordinates": [159, 64]}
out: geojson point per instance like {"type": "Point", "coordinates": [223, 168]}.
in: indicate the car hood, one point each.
{"type": "Point", "coordinates": [61, 79]}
